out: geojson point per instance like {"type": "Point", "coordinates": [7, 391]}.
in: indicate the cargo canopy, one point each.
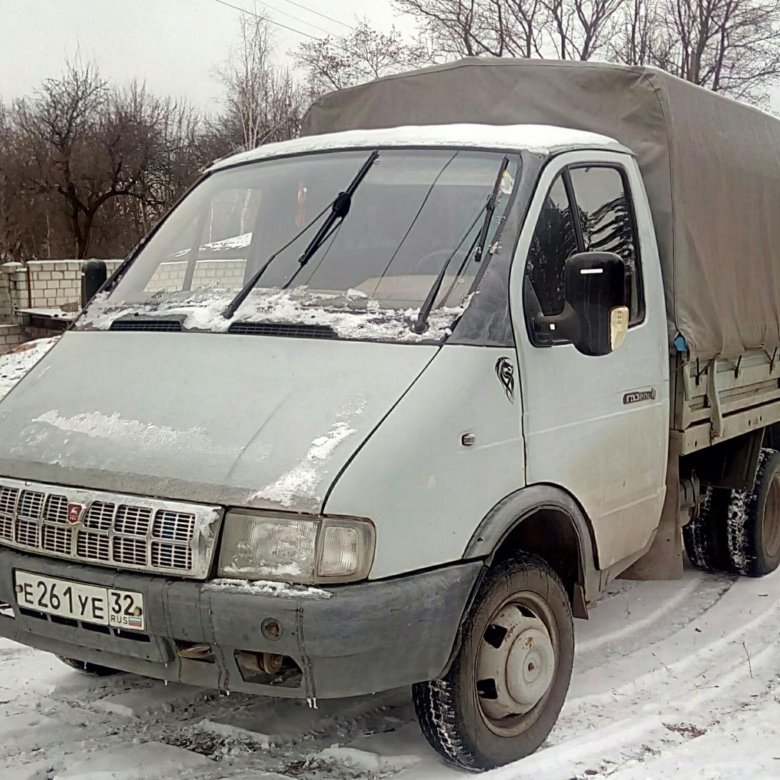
{"type": "Point", "coordinates": [711, 166]}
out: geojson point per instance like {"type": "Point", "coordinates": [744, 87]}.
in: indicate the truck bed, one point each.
{"type": "Point", "coordinates": [716, 400]}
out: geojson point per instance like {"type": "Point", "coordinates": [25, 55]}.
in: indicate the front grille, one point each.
{"type": "Point", "coordinates": [57, 540]}
{"type": "Point", "coordinates": [57, 509]}
{"type": "Point", "coordinates": [28, 533]}
{"type": "Point", "coordinates": [31, 504]}
{"type": "Point", "coordinates": [132, 520]}
{"type": "Point", "coordinates": [100, 516]}
{"type": "Point", "coordinates": [8, 497]}
{"type": "Point", "coordinates": [93, 547]}
{"type": "Point", "coordinates": [176, 526]}
{"type": "Point", "coordinates": [125, 532]}
{"type": "Point", "coordinates": [132, 551]}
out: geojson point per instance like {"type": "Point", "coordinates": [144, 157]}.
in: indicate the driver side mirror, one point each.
{"type": "Point", "coordinates": [595, 316]}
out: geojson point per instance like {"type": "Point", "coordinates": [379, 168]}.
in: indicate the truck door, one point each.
{"type": "Point", "coordinates": [596, 426]}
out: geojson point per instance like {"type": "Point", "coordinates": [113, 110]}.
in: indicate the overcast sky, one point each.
{"type": "Point", "coordinates": [174, 45]}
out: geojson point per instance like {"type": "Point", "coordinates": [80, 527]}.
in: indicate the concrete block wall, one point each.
{"type": "Point", "coordinates": [10, 337]}
{"type": "Point", "coordinates": [41, 284]}
{"type": "Point", "coordinates": [170, 276]}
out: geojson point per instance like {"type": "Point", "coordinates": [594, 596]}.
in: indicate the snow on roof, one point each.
{"type": "Point", "coordinates": [536, 138]}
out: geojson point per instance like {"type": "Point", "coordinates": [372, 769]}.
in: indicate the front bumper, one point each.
{"type": "Point", "coordinates": [358, 639]}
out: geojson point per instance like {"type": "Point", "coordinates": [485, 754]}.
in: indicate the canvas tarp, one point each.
{"type": "Point", "coordinates": [711, 168]}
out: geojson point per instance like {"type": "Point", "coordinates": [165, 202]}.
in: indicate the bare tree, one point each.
{"type": "Point", "coordinates": [83, 147]}
{"type": "Point", "coordinates": [263, 102]}
{"type": "Point", "coordinates": [481, 27]}
{"type": "Point", "coordinates": [580, 29]}
{"type": "Point", "coordinates": [564, 29]}
{"type": "Point", "coordinates": [362, 55]}
{"type": "Point", "coordinates": [640, 36]}
{"type": "Point", "coordinates": [729, 46]}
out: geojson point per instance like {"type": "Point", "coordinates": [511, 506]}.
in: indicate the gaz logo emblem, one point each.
{"type": "Point", "coordinates": [75, 512]}
{"type": "Point", "coordinates": [505, 372]}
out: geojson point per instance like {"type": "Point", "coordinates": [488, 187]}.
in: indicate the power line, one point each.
{"type": "Point", "coordinates": [270, 21]}
{"type": "Point", "coordinates": [324, 16]}
{"type": "Point", "coordinates": [296, 18]}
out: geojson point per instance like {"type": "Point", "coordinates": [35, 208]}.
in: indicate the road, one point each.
{"type": "Point", "coordinates": [674, 679]}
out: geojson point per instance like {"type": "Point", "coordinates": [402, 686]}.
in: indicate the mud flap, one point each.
{"type": "Point", "coordinates": [664, 559]}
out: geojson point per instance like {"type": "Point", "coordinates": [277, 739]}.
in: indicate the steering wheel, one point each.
{"type": "Point", "coordinates": [433, 261]}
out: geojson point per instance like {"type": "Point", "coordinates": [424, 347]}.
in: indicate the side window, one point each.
{"type": "Point", "coordinates": [607, 223]}
{"type": "Point", "coordinates": [554, 241]}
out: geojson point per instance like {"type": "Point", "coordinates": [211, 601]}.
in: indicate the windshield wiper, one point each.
{"type": "Point", "coordinates": [478, 247]}
{"type": "Point", "coordinates": [240, 296]}
{"type": "Point", "coordinates": [339, 211]}
{"type": "Point", "coordinates": [339, 207]}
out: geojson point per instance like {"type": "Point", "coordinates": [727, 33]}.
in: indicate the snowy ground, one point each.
{"type": "Point", "coordinates": [677, 679]}
{"type": "Point", "coordinates": [671, 680]}
{"type": "Point", "coordinates": [15, 364]}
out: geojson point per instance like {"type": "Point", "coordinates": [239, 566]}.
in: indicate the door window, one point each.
{"type": "Point", "coordinates": [554, 241]}
{"type": "Point", "coordinates": [608, 225]}
{"type": "Point", "coordinates": [588, 208]}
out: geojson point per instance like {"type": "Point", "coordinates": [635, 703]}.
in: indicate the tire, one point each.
{"type": "Point", "coordinates": [470, 716]}
{"type": "Point", "coordinates": [706, 536]}
{"type": "Point", "coordinates": [753, 522]}
{"type": "Point", "coordinates": [95, 670]}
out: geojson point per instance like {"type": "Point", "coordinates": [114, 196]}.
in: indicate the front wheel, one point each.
{"type": "Point", "coordinates": [505, 689]}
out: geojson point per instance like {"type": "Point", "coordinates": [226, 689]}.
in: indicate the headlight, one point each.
{"type": "Point", "coordinates": [259, 547]}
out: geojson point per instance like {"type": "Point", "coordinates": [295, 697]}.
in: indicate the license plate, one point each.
{"type": "Point", "coordinates": [77, 601]}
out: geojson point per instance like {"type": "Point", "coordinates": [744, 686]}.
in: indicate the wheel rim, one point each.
{"type": "Point", "coordinates": [516, 663]}
{"type": "Point", "coordinates": [771, 520]}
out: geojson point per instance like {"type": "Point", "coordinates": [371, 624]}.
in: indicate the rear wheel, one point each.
{"type": "Point", "coordinates": [706, 536]}
{"type": "Point", "coordinates": [505, 689]}
{"type": "Point", "coordinates": [753, 523]}
{"type": "Point", "coordinates": [87, 668]}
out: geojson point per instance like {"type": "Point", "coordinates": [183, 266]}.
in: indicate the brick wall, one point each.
{"type": "Point", "coordinates": [41, 284]}
{"type": "Point", "coordinates": [11, 336]}
{"type": "Point", "coordinates": [170, 276]}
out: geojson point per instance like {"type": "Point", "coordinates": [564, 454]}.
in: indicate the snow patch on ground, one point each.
{"type": "Point", "coordinates": [15, 364]}
{"type": "Point", "coordinates": [366, 761]}
{"type": "Point", "coordinates": [136, 762]}
{"type": "Point", "coordinates": [235, 732]}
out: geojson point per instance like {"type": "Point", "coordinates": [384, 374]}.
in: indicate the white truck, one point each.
{"type": "Point", "coordinates": [387, 404]}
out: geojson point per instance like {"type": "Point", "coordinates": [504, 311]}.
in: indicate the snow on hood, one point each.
{"type": "Point", "coordinates": [251, 421]}
{"type": "Point", "coordinates": [203, 311]}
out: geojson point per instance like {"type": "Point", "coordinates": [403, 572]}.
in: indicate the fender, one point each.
{"type": "Point", "coordinates": [512, 511]}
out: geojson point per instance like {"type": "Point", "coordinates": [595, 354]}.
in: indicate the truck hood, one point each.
{"type": "Point", "coordinates": [251, 421]}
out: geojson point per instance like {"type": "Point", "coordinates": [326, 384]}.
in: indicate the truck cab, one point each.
{"type": "Point", "coordinates": [367, 409]}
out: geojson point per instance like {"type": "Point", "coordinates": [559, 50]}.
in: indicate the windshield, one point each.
{"type": "Point", "coordinates": [415, 211]}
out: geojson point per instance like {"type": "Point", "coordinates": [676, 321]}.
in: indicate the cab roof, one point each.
{"type": "Point", "coordinates": [542, 139]}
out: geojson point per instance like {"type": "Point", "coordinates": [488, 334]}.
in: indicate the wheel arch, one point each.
{"type": "Point", "coordinates": [523, 520]}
